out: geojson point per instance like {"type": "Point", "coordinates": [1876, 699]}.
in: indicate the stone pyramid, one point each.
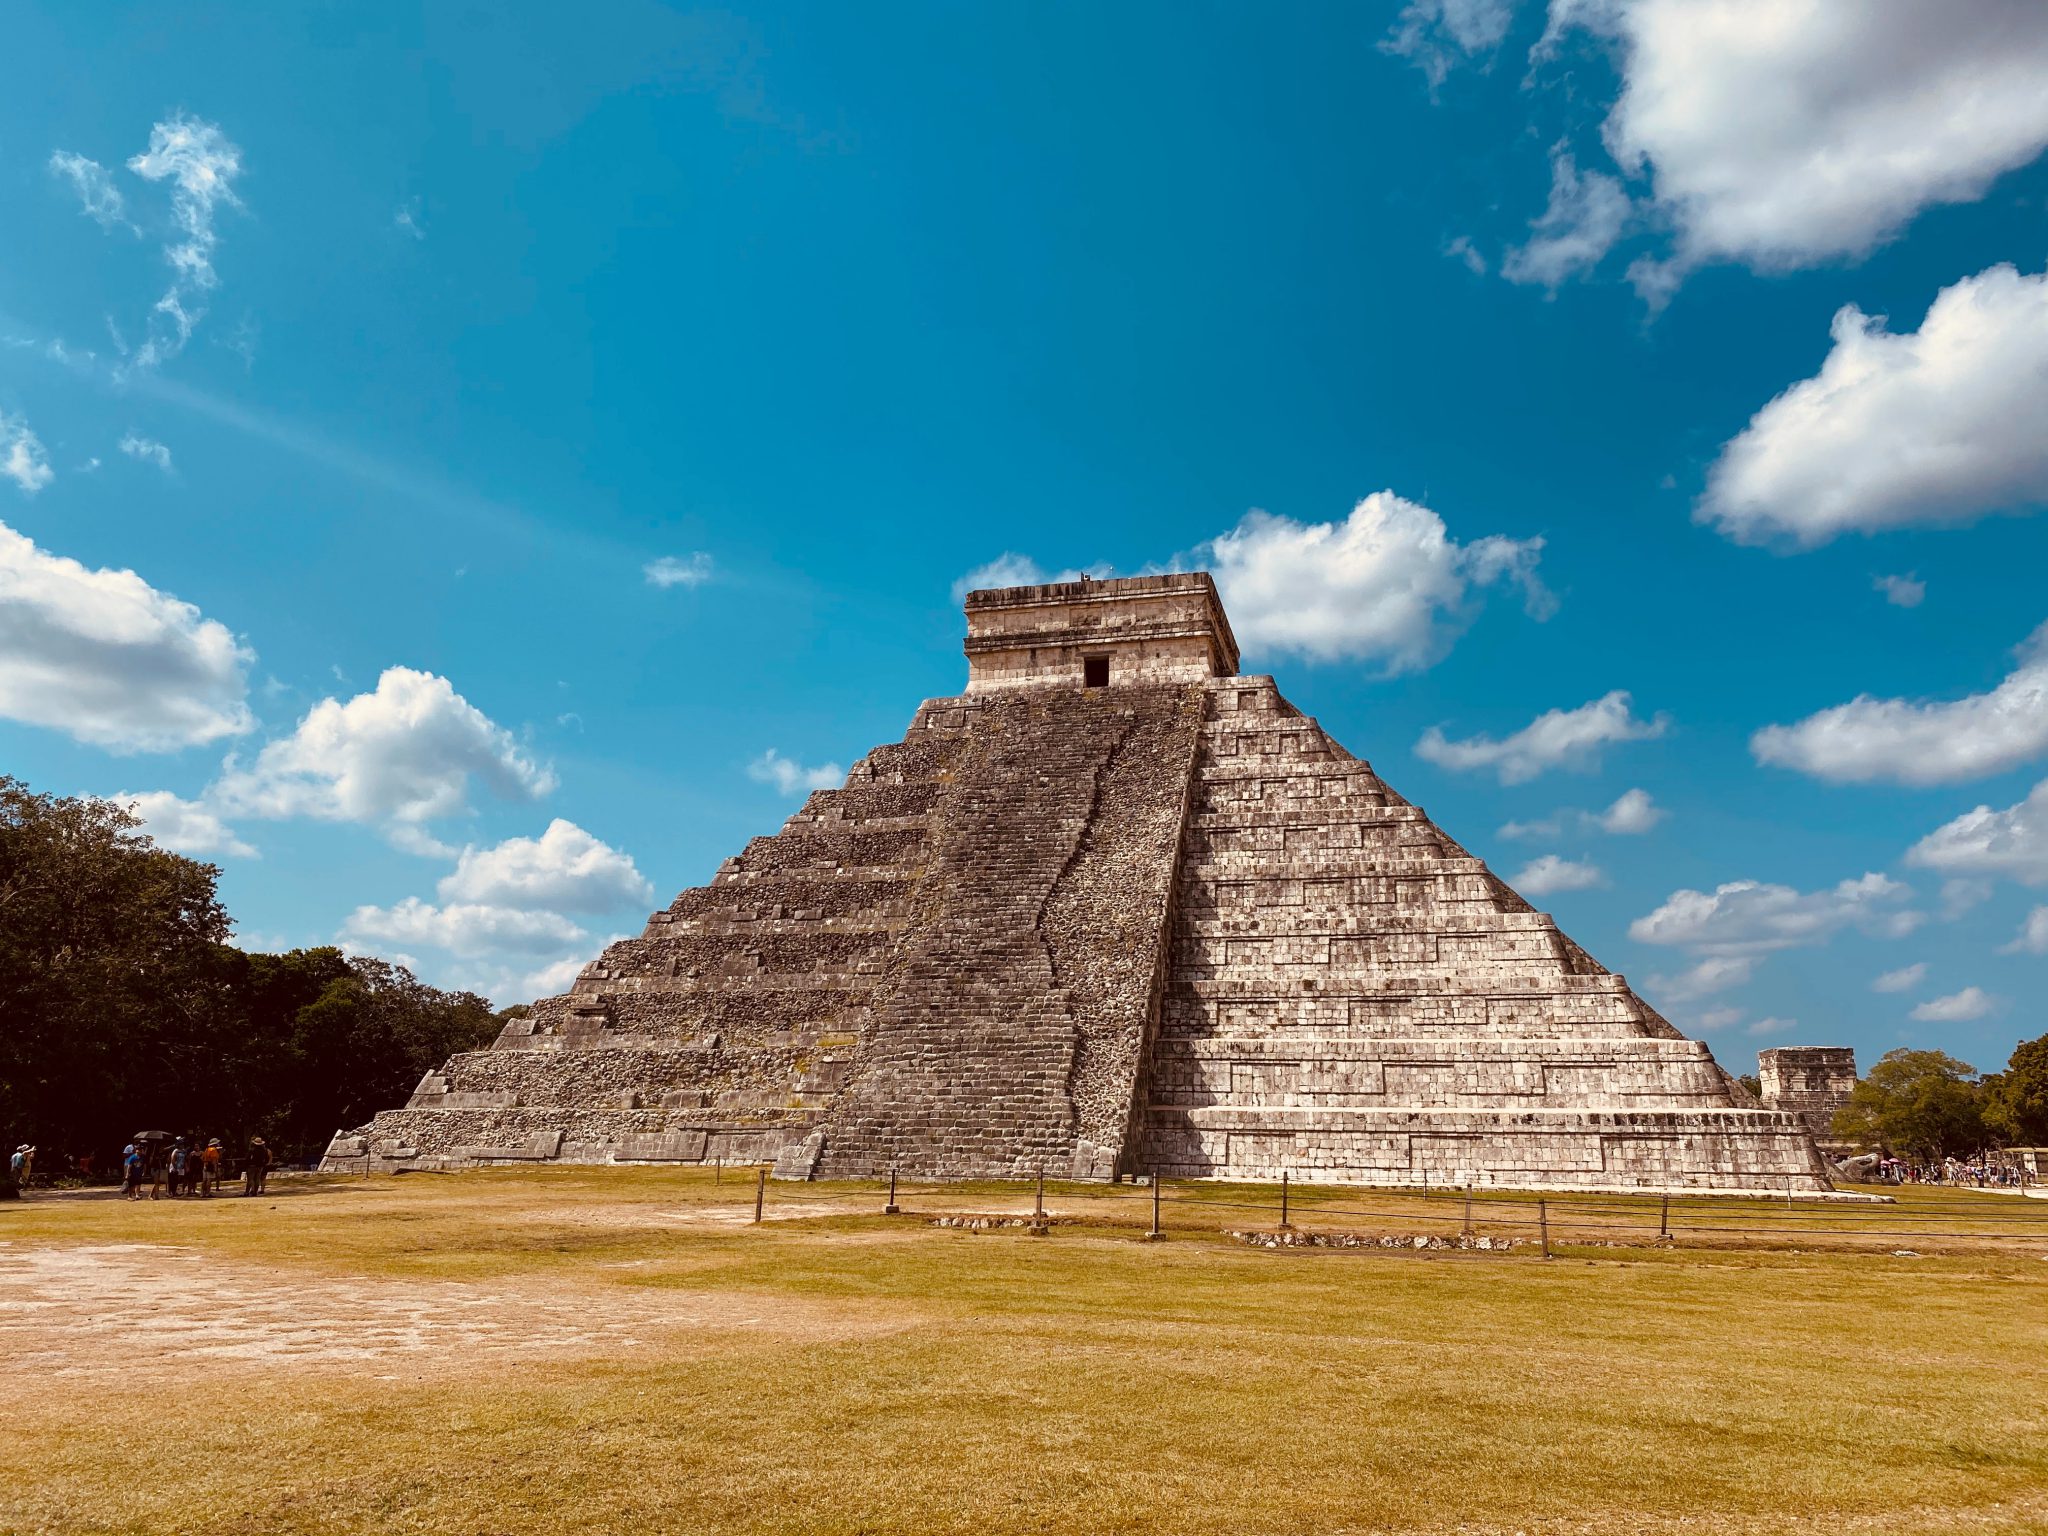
{"type": "Point", "coordinates": [1116, 909]}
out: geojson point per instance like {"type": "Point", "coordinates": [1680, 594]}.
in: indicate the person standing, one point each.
{"type": "Point", "coordinates": [21, 1164]}
{"type": "Point", "coordinates": [131, 1172]}
{"type": "Point", "coordinates": [257, 1168]}
{"type": "Point", "coordinates": [209, 1168]}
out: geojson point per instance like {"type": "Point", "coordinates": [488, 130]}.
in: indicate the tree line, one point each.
{"type": "Point", "coordinates": [124, 1007]}
{"type": "Point", "coordinates": [1927, 1105]}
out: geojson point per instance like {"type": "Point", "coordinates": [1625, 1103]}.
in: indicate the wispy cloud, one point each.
{"type": "Point", "coordinates": [669, 571]}
{"type": "Point", "coordinates": [1558, 738]}
{"type": "Point", "coordinates": [98, 198]}
{"type": "Point", "coordinates": [201, 165]}
{"type": "Point", "coordinates": [791, 777]}
{"type": "Point", "coordinates": [1957, 1008]}
{"type": "Point", "coordinates": [147, 449]}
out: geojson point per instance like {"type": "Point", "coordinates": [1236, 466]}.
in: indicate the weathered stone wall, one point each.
{"type": "Point", "coordinates": [1150, 629]}
{"type": "Point", "coordinates": [1810, 1081]}
{"type": "Point", "coordinates": [1354, 998]}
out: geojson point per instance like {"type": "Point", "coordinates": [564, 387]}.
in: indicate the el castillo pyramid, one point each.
{"type": "Point", "coordinates": [1114, 910]}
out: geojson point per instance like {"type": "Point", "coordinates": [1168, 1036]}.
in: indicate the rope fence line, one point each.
{"type": "Point", "coordinates": [1668, 1217]}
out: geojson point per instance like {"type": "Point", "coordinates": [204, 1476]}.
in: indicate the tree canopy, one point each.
{"type": "Point", "coordinates": [2016, 1100]}
{"type": "Point", "coordinates": [1925, 1103]}
{"type": "Point", "coordinates": [128, 1009]}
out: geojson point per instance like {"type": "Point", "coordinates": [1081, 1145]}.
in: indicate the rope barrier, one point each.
{"type": "Point", "coordinates": [1673, 1220]}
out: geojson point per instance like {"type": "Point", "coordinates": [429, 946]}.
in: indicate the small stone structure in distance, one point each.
{"type": "Point", "coordinates": [1810, 1081]}
{"type": "Point", "coordinates": [1115, 909]}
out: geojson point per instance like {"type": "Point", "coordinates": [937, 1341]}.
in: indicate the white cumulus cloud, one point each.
{"type": "Point", "coordinates": [565, 869]}
{"type": "Point", "coordinates": [461, 928]}
{"type": "Point", "coordinates": [1715, 973]}
{"type": "Point", "coordinates": [2032, 938]}
{"type": "Point", "coordinates": [2012, 843]}
{"type": "Point", "coordinates": [791, 777]}
{"type": "Point", "coordinates": [1633, 813]}
{"type": "Point", "coordinates": [1957, 1007]}
{"type": "Point", "coordinates": [1904, 979]}
{"type": "Point", "coordinates": [399, 757]}
{"type": "Point", "coordinates": [1387, 585]}
{"type": "Point", "coordinates": [1745, 918]}
{"type": "Point", "coordinates": [670, 571]}
{"type": "Point", "coordinates": [184, 826]}
{"type": "Point", "coordinates": [1920, 428]}
{"type": "Point", "coordinates": [1550, 874]}
{"type": "Point", "coordinates": [548, 981]}
{"type": "Point", "coordinates": [1908, 741]}
{"type": "Point", "coordinates": [22, 459]}
{"type": "Point", "coordinates": [1788, 133]}
{"type": "Point", "coordinates": [1901, 591]}
{"type": "Point", "coordinates": [106, 658]}
{"type": "Point", "coordinates": [1587, 213]}
{"type": "Point", "coordinates": [1557, 738]}
{"type": "Point", "coordinates": [148, 450]}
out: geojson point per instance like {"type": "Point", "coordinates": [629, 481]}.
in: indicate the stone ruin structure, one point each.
{"type": "Point", "coordinates": [1810, 1081]}
{"type": "Point", "coordinates": [1116, 909]}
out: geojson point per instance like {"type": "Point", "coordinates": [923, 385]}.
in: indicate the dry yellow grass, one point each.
{"type": "Point", "coordinates": [617, 1350]}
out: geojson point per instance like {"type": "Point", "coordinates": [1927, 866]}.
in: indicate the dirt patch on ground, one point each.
{"type": "Point", "coordinates": [146, 1312]}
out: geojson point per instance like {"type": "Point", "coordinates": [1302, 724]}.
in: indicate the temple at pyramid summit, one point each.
{"type": "Point", "coordinates": [1113, 910]}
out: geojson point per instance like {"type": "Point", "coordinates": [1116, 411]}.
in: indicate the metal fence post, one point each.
{"type": "Point", "coordinates": [760, 1193]}
{"type": "Point", "coordinates": [890, 1208]}
{"type": "Point", "coordinates": [1283, 1199]}
{"type": "Point", "coordinates": [1543, 1222]}
{"type": "Point", "coordinates": [1664, 1220]}
{"type": "Point", "coordinates": [1155, 1234]}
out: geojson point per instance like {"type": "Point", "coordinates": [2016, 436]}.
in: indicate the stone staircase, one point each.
{"type": "Point", "coordinates": [1039, 883]}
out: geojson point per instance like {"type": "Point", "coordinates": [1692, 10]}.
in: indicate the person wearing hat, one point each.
{"type": "Point", "coordinates": [257, 1168]}
{"type": "Point", "coordinates": [21, 1164]}
{"type": "Point", "coordinates": [209, 1168]}
{"type": "Point", "coordinates": [131, 1172]}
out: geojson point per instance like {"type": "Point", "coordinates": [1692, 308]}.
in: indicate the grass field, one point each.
{"type": "Point", "coordinates": [606, 1350]}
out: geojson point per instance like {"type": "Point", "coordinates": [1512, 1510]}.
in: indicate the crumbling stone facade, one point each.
{"type": "Point", "coordinates": [1115, 909]}
{"type": "Point", "coordinates": [1810, 1081]}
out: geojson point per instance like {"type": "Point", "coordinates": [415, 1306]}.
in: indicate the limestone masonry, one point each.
{"type": "Point", "coordinates": [1811, 1081]}
{"type": "Point", "coordinates": [1114, 910]}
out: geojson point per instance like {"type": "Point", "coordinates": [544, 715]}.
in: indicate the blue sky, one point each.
{"type": "Point", "coordinates": [469, 471]}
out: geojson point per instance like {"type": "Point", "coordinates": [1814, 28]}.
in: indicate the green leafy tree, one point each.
{"type": "Point", "coordinates": [1923, 1103]}
{"type": "Point", "coordinates": [2016, 1100]}
{"type": "Point", "coordinates": [109, 965]}
{"type": "Point", "coordinates": [123, 1007]}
